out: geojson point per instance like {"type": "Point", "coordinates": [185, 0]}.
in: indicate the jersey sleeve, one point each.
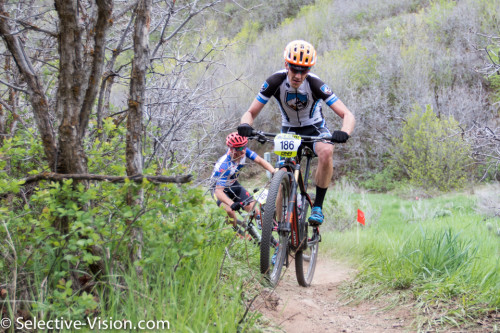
{"type": "Point", "coordinates": [251, 154]}
{"type": "Point", "coordinates": [270, 86]}
{"type": "Point", "coordinates": [321, 90]}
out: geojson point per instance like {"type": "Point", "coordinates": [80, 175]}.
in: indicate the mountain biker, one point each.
{"type": "Point", "coordinates": [226, 189]}
{"type": "Point", "coordinates": [299, 94]}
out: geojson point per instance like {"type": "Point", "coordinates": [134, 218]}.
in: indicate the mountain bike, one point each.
{"type": "Point", "coordinates": [286, 211]}
{"type": "Point", "coordinates": [252, 221]}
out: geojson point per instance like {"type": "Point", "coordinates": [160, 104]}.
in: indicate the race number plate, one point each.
{"type": "Point", "coordinates": [286, 145]}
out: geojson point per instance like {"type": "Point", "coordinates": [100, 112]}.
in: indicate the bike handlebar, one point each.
{"type": "Point", "coordinates": [305, 138]}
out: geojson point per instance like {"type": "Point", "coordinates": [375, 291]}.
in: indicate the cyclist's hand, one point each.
{"type": "Point", "coordinates": [339, 136]}
{"type": "Point", "coordinates": [237, 206]}
{"type": "Point", "coordinates": [245, 130]}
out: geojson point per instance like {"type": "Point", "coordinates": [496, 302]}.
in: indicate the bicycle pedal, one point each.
{"type": "Point", "coordinates": [315, 238]}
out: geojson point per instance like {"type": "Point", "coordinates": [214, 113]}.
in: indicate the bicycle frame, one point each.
{"type": "Point", "coordinates": [292, 227]}
{"type": "Point", "coordinates": [298, 182]}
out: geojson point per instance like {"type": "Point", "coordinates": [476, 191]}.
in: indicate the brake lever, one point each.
{"type": "Point", "coordinates": [256, 135]}
{"type": "Point", "coordinates": [261, 139]}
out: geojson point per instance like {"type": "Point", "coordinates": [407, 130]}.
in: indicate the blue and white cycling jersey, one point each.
{"type": "Point", "coordinates": [226, 171]}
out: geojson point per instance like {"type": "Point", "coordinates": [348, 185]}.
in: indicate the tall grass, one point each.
{"type": "Point", "coordinates": [204, 298]}
{"type": "Point", "coordinates": [205, 292]}
{"type": "Point", "coordinates": [436, 252]}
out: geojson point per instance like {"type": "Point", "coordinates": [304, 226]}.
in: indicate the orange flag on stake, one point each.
{"type": "Point", "coordinates": [361, 217]}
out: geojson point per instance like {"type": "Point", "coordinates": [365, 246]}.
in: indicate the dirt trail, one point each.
{"type": "Point", "coordinates": [319, 309]}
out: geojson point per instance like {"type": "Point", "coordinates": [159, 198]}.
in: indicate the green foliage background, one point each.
{"type": "Point", "coordinates": [384, 60]}
{"type": "Point", "coordinates": [432, 152]}
{"type": "Point", "coordinates": [184, 243]}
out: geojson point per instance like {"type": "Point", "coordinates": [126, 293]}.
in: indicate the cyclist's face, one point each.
{"type": "Point", "coordinates": [237, 152]}
{"type": "Point", "coordinates": [295, 78]}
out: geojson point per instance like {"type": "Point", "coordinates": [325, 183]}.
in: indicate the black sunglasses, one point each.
{"type": "Point", "coordinates": [298, 69]}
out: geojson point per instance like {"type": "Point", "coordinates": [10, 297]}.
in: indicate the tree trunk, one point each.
{"type": "Point", "coordinates": [35, 90]}
{"type": "Point", "coordinates": [71, 156]}
{"type": "Point", "coordinates": [134, 121]}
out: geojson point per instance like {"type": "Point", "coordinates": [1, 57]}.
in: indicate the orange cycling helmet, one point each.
{"type": "Point", "coordinates": [300, 53]}
{"type": "Point", "coordinates": [234, 140]}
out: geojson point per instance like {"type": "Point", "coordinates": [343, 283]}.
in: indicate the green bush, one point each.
{"type": "Point", "coordinates": [180, 234]}
{"type": "Point", "coordinates": [383, 181]}
{"type": "Point", "coordinates": [431, 151]}
{"type": "Point", "coordinates": [495, 86]}
{"type": "Point", "coordinates": [84, 270]}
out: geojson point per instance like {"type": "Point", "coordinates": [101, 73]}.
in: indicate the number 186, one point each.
{"type": "Point", "coordinates": [287, 145]}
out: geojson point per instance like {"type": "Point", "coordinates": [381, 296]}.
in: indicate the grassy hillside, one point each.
{"type": "Point", "coordinates": [385, 60]}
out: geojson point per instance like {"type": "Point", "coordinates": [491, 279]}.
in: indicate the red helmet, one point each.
{"type": "Point", "coordinates": [234, 140]}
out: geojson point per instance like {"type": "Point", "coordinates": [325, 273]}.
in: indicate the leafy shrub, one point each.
{"type": "Point", "coordinates": [495, 85]}
{"type": "Point", "coordinates": [21, 154]}
{"type": "Point", "coordinates": [431, 152]}
{"type": "Point", "coordinates": [383, 181]}
{"type": "Point", "coordinates": [84, 269]}
{"type": "Point", "coordinates": [356, 65]}
{"type": "Point", "coordinates": [178, 228]}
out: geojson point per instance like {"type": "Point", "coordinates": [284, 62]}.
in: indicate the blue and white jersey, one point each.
{"type": "Point", "coordinates": [299, 107]}
{"type": "Point", "coordinates": [226, 171]}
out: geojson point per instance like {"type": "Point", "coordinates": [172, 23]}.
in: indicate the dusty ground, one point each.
{"type": "Point", "coordinates": [291, 308]}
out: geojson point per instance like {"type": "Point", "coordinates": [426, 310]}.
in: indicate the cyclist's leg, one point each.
{"type": "Point", "coordinates": [242, 195]}
{"type": "Point", "coordinates": [249, 207]}
{"type": "Point", "coordinates": [324, 151]}
{"type": "Point", "coordinates": [230, 213]}
{"type": "Point", "coordinates": [324, 171]}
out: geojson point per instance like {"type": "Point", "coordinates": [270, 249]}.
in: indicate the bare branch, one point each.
{"type": "Point", "coordinates": [193, 12]}
{"type": "Point", "coordinates": [125, 10]}
{"type": "Point", "coordinates": [30, 26]}
{"type": "Point", "coordinates": [494, 66]}
{"type": "Point", "coordinates": [112, 179]}
{"type": "Point", "coordinates": [485, 144]}
{"type": "Point", "coordinates": [14, 87]}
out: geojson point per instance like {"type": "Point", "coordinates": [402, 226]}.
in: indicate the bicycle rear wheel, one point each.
{"type": "Point", "coordinates": [305, 258]}
{"type": "Point", "coordinates": [273, 256]}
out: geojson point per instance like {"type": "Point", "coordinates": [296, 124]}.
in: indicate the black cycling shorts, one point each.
{"type": "Point", "coordinates": [235, 192]}
{"type": "Point", "coordinates": [310, 130]}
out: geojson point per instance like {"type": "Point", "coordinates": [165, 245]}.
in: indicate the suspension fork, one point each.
{"type": "Point", "coordinates": [292, 212]}
{"type": "Point", "coordinates": [303, 184]}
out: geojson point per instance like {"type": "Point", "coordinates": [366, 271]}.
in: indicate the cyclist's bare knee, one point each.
{"type": "Point", "coordinates": [324, 151]}
{"type": "Point", "coordinates": [249, 207]}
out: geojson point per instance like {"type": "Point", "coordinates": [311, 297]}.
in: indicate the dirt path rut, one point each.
{"type": "Point", "coordinates": [291, 308]}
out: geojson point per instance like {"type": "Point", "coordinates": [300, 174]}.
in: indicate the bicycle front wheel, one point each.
{"type": "Point", "coordinates": [306, 256]}
{"type": "Point", "coordinates": [274, 244]}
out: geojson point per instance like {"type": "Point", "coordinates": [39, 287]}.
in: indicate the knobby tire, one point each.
{"type": "Point", "coordinates": [305, 259]}
{"type": "Point", "coordinates": [279, 190]}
